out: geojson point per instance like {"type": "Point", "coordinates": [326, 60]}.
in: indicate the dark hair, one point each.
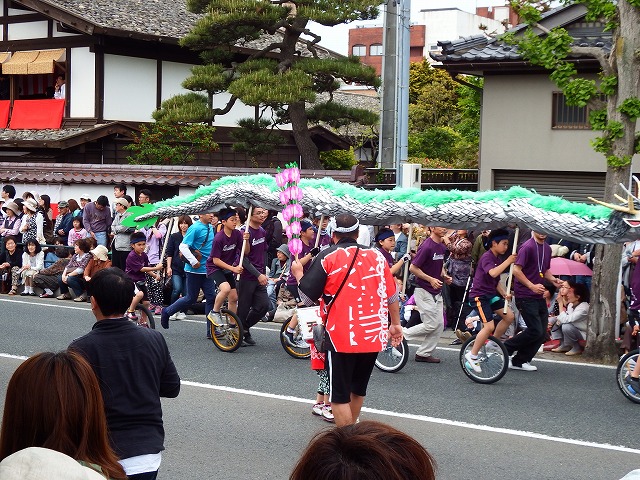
{"type": "Point", "coordinates": [103, 201]}
{"type": "Point", "coordinates": [500, 232]}
{"type": "Point", "coordinates": [61, 252]}
{"type": "Point", "coordinates": [130, 200]}
{"type": "Point", "coordinates": [383, 232]}
{"type": "Point", "coordinates": [11, 237]}
{"type": "Point", "coordinates": [79, 219]}
{"type": "Point", "coordinates": [10, 189]}
{"type": "Point", "coordinates": [122, 187]}
{"type": "Point", "coordinates": [47, 202]}
{"type": "Point", "coordinates": [184, 219]}
{"type": "Point", "coordinates": [32, 241]}
{"type": "Point", "coordinates": [26, 195]}
{"type": "Point", "coordinates": [365, 451]}
{"type": "Point", "coordinates": [83, 244]}
{"type": "Point", "coordinates": [73, 205]}
{"type": "Point", "coordinates": [146, 192]}
{"type": "Point", "coordinates": [112, 291]}
{"type": "Point", "coordinates": [580, 290]}
{"type": "Point", "coordinates": [227, 213]}
{"type": "Point", "coordinates": [242, 214]}
{"type": "Point", "coordinates": [549, 286]}
{"type": "Point", "coordinates": [54, 401]}
{"type": "Point", "coordinates": [61, 75]}
{"type": "Point", "coordinates": [344, 220]}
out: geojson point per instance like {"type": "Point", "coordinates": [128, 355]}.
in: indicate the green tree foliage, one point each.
{"type": "Point", "coordinates": [284, 70]}
{"type": "Point", "coordinates": [615, 116]}
{"type": "Point", "coordinates": [167, 144]}
{"type": "Point", "coordinates": [338, 159]}
{"type": "Point", "coordinates": [444, 118]}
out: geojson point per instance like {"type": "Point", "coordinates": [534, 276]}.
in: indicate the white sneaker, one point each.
{"type": "Point", "coordinates": [215, 318]}
{"type": "Point", "coordinates": [317, 409]}
{"type": "Point", "coordinates": [472, 362]}
{"type": "Point", "coordinates": [173, 317]}
{"type": "Point", "coordinates": [181, 316]}
{"type": "Point", "coordinates": [527, 367]}
{"type": "Point", "coordinates": [395, 353]}
{"type": "Point", "coordinates": [327, 414]}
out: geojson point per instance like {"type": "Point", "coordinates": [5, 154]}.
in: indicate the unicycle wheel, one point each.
{"type": "Point", "coordinates": [493, 360]}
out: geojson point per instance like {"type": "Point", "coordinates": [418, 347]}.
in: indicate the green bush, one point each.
{"type": "Point", "coordinates": [338, 159]}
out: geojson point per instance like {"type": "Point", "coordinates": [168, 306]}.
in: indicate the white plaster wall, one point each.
{"type": "Point", "coordinates": [516, 131]}
{"type": "Point", "coordinates": [27, 30]}
{"type": "Point", "coordinates": [172, 76]}
{"type": "Point", "coordinates": [239, 110]}
{"type": "Point", "coordinates": [129, 88]}
{"type": "Point", "coordinates": [83, 81]}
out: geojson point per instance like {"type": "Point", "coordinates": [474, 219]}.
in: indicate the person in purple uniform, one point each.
{"type": "Point", "coordinates": [253, 301]}
{"type": "Point", "coordinates": [428, 269]}
{"type": "Point", "coordinates": [227, 245]}
{"type": "Point", "coordinates": [386, 242]}
{"type": "Point", "coordinates": [530, 269]}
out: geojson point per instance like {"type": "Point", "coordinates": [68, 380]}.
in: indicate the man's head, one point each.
{"type": "Point", "coordinates": [63, 207]}
{"type": "Point", "coordinates": [102, 202]}
{"type": "Point", "coordinates": [345, 226]}
{"type": "Point", "coordinates": [111, 293]}
{"type": "Point", "coordinates": [206, 218]}
{"type": "Point", "coordinates": [437, 233]}
{"type": "Point", "coordinates": [539, 237]}
{"type": "Point", "coordinates": [258, 215]}
{"type": "Point", "coordinates": [8, 192]}
{"type": "Point", "coordinates": [119, 190]}
{"type": "Point", "coordinates": [498, 241]}
{"type": "Point", "coordinates": [84, 199]}
{"type": "Point", "coordinates": [229, 218]}
{"type": "Point", "coordinates": [144, 196]}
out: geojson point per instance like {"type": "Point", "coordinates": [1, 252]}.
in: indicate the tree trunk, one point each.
{"type": "Point", "coordinates": [308, 150]}
{"type": "Point", "coordinates": [626, 62]}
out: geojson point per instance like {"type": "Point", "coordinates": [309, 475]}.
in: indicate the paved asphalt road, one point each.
{"type": "Point", "coordinates": [246, 415]}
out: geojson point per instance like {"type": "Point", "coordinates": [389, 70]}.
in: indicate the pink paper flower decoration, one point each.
{"type": "Point", "coordinates": [295, 246]}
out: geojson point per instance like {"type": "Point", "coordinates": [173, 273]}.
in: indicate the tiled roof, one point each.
{"type": "Point", "coordinates": [160, 18]}
{"type": "Point", "coordinates": [159, 175]}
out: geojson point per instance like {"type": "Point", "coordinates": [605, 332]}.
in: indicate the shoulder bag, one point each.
{"type": "Point", "coordinates": [196, 251]}
{"type": "Point", "coordinates": [319, 329]}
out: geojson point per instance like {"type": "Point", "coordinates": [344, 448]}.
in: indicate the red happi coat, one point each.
{"type": "Point", "coordinates": [358, 321]}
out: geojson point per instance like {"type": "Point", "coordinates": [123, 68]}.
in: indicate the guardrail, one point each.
{"type": "Point", "coordinates": [430, 179]}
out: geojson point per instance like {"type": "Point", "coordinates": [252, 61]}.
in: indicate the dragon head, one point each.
{"type": "Point", "coordinates": [628, 207]}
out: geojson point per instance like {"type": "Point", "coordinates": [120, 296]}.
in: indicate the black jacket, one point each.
{"type": "Point", "coordinates": [134, 368]}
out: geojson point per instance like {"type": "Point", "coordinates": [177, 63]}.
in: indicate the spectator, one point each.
{"type": "Point", "coordinates": [60, 89]}
{"type": "Point", "coordinates": [32, 263]}
{"type": "Point", "coordinates": [96, 217]}
{"type": "Point", "coordinates": [571, 322]}
{"type": "Point", "coordinates": [44, 205]}
{"type": "Point", "coordinates": [175, 265]}
{"type": "Point", "coordinates": [64, 221]}
{"type": "Point", "coordinates": [74, 208]}
{"type": "Point", "coordinates": [99, 261]}
{"type": "Point", "coordinates": [119, 191]}
{"type": "Point", "coordinates": [131, 388]}
{"type": "Point", "coordinates": [10, 263]}
{"type": "Point", "coordinates": [459, 268]}
{"type": "Point", "coordinates": [144, 196]}
{"type": "Point", "coordinates": [77, 232]}
{"type": "Point", "coordinates": [121, 234]}
{"type": "Point", "coordinates": [277, 275]}
{"type": "Point", "coordinates": [11, 223]}
{"type": "Point", "coordinates": [273, 228]}
{"type": "Point", "coordinates": [47, 279]}
{"type": "Point", "coordinates": [53, 401]}
{"type": "Point", "coordinates": [32, 222]}
{"type": "Point", "coordinates": [8, 193]}
{"type": "Point", "coordinates": [28, 195]}
{"type": "Point", "coordinates": [402, 242]}
{"type": "Point", "coordinates": [366, 450]}
{"type": "Point", "coordinates": [154, 239]}
{"type": "Point", "coordinates": [72, 274]}
{"type": "Point", "coordinates": [84, 200]}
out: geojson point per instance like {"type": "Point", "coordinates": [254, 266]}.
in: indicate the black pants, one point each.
{"type": "Point", "coordinates": [536, 316]}
{"type": "Point", "coordinates": [253, 303]}
{"type": "Point", "coordinates": [119, 258]}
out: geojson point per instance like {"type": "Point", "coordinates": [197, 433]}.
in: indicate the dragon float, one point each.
{"type": "Point", "coordinates": [579, 222]}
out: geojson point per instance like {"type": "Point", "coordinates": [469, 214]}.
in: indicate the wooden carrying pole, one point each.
{"type": "Point", "coordinates": [405, 276]}
{"type": "Point", "coordinates": [164, 246]}
{"type": "Point", "coordinates": [510, 279]}
{"type": "Point", "coordinates": [319, 229]}
{"type": "Point", "coordinates": [242, 251]}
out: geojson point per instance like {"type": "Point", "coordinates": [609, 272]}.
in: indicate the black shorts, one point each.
{"type": "Point", "coordinates": [142, 286]}
{"type": "Point", "coordinates": [222, 276]}
{"type": "Point", "coordinates": [486, 305]}
{"type": "Point", "coordinates": [349, 373]}
{"type": "Point", "coordinates": [293, 290]}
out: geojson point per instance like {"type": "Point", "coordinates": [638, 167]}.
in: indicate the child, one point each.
{"type": "Point", "coordinates": [137, 265]}
{"type": "Point", "coordinates": [488, 296]}
{"type": "Point", "coordinates": [227, 245]}
{"type": "Point", "coordinates": [77, 232]}
{"type": "Point", "coordinates": [32, 263]}
{"type": "Point", "coordinates": [322, 408]}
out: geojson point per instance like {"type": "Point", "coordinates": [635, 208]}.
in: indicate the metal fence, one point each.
{"type": "Point", "coordinates": [430, 179]}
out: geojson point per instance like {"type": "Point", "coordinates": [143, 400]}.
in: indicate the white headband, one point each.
{"type": "Point", "coordinates": [334, 228]}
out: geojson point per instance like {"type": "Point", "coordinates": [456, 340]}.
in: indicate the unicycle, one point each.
{"type": "Point", "coordinates": [392, 359]}
{"type": "Point", "coordinates": [227, 334]}
{"type": "Point", "coordinates": [145, 317]}
{"type": "Point", "coordinates": [625, 366]}
{"type": "Point", "coordinates": [492, 358]}
{"type": "Point", "coordinates": [300, 348]}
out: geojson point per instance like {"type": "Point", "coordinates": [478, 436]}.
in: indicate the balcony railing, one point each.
{"type": "Point", "coordinates": [430, 179]}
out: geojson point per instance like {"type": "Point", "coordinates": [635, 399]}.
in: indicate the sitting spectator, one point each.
{"type": "Point", "coordinates": [277, 275]}
{"type": "Point", "coordinates": [72, 275]}
{"type": "Point", "coordinates": [50, 255]}
{"type": "Point", "coordinates": [64, 221]}
{"type": "Point", "coordinates": [54, 401]}
{"type": "Point", "coordinates": [573, 304]}
{"type": "Point", "coordinates": [77, 232]}
{"type": "Point", "coordinates": [366, 450]}
{"type": "Point", "coordinates": [32, 222]}
{"type": "Point", "coordinates": [99, 261]}
{"type": "Point", "coordinates": [32, 263]}
{"type": "Point", "coordinates": [10, 263]}
{"type": "Point", "coordinates": [47, 279]}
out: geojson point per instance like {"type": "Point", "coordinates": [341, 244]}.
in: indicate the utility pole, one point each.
{"type": "Point", "coordinates": [394, 119]}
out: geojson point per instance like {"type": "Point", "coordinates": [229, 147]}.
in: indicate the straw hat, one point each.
{"type": "Point", "coordinates": [100, 252]}
{"type": "Point", "coordinates": [122, 201]}
{"type": "Point", "coordinates": [13, 206]}
{"type": "Point", "coordinates": [31, 204]}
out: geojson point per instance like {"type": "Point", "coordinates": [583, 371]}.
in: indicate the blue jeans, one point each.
{"type": "Point", "coordinates": [75, 283]}
{"type": "Point", "coordinates": [101, 238]}
{"type": "Point", "coordinates": [195, 282]}
{"type": "Point", "coordinates": [179, 283]}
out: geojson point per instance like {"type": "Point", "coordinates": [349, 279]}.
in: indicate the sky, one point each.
{"type": "Point", "coordinates": [337, 38]}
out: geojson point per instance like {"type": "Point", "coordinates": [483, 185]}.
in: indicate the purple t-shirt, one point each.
{"type": "Point", "coordinates": [258, 252]}
{"type": "Point", "coordinates": [134, 263]}
{"type": "Point", "coordinates": [225, 248]}
{"type": "Point", "coordinates": [429, 259]}
{"type": "Point", "coordinates": [387, 256]}
{"type": "Point", "coordinates": [535, 260]}
{"type": "Point", "coordinates": [635, 289]}
{"type": "Point", "coordinates": [483, 283]}
{"type": "Point", "coordinates": [291, 279]}
{"type": "Point", "coordinates": [325, 240]}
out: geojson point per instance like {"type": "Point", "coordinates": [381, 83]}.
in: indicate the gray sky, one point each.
{"type": "Point", "coordinates": [337, 38]}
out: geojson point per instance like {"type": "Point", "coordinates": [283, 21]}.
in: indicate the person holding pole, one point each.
{"type": "Point", "coordinates": [487, 295]}
{"type": "Point", "coordinates": [530, 269]}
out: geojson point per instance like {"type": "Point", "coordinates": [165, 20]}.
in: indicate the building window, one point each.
{"type": "Point", "coordinates": [359, 51]}
{"type": "Point", "coordinates": [375, 50]}
{"type": "Point", "coordinates": [569, 117]}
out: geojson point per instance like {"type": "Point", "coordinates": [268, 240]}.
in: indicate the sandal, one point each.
{"type": "Point", "coordinates": [13, 291]}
